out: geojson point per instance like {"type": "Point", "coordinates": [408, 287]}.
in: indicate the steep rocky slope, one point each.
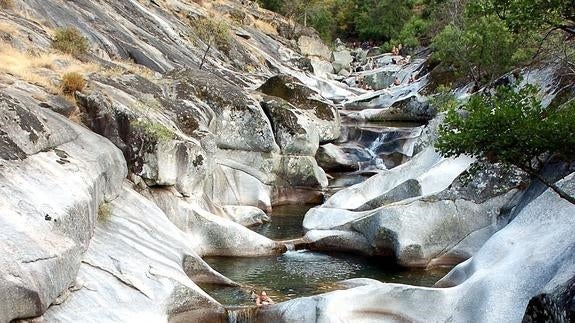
{"type": "Point", "coordinates": [204, 151]}
{"type": "Point", "coordinates": [112, 194]}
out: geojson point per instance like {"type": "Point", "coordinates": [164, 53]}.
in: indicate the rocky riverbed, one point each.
{"type": "Point", "coordinates": [112, 196]}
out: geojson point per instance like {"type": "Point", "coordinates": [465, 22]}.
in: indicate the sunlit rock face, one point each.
{"type": "Point", "coordinates": [55, 174]}
{"type": "Point", "coordinates": [136, 260]}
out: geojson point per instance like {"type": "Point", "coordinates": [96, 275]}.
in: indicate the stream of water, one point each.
{"type": "Point", "coordinates": [303, 272]}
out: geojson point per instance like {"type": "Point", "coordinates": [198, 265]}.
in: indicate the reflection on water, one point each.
{"type": "Point", "coordinates": [302, 273]}
{"type": "Point", "coordinates": [286, 222]}
{"type": "Point", "coordinates": [305, 273]}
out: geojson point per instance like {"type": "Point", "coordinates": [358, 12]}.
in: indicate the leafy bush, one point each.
{"type": "Point", "coordinates": [72, 82]}
{"type": "Point", "coordinates": [70, 41]}
{"type": "Point", "coordinates": [212, 32]}
{"type": "Point", "coordinates": [483, 49]}
{"type": "Point", "coordinates": [443, 100]}
{"type": "Point", "coordinates": [511, 127]}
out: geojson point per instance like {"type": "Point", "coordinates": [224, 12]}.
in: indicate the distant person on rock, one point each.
{"type": "Point", "coordinates": [264, 299]}
{"type": "Point", "coordinates": [397, 81]}
{"type": "Point", "coordinates": [394, 51]}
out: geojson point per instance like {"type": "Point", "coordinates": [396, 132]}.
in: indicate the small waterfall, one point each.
{"type": "Point", "coordinates": [378, 142]}
{"type": "Point", "coordinates": [241, 314]}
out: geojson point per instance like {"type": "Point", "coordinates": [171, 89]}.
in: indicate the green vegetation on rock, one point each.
{"type": "Point", "coordinates": [69, 40]}
{"type": "Point", "coordinates": [512, 127]}
{"type": "Point", "coordinates": [154, 130]}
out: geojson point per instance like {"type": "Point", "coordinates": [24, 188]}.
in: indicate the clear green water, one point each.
{"type": "Point", "coordinates": [303, 273]}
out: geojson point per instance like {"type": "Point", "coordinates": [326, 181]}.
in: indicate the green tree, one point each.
{"type": "Point", "coordinates": [382, 19]}
{"type": "Point", "coordinates": [511, 127]}
{"type": "Point", "coordinates": [521, 15]}
{"type": "Point", "coordinates": [483, 49]}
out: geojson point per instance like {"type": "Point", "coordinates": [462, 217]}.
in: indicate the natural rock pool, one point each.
{"type": "Point", "coordinates": [303, 273]}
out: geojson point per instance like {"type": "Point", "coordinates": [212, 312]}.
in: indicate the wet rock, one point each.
{"type": "Point", "coordinates": [332, 158]}
{"type": "Point", "coordinates": [496, 285]}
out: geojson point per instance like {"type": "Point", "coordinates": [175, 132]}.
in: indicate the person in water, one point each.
{"type": "Point", "coordinates": [264, 299]}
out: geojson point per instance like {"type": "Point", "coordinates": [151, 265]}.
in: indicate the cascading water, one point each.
{"type": "Point", "coordinates": [241, 314]}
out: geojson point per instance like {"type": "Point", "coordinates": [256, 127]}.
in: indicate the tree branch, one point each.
{"type": "Point", "coordinates": [564, 195]}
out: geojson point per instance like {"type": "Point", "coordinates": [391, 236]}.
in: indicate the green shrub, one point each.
{"type": "Point", "coordinates": [156, 131]}
{"type": "Point", "coordinates": [512, 127]}
{"type": "Point", "coordinates": [212, 32]}
{"type": "Point", "coordinates": [70, 41]}
{"type": "Point", "coordinates": [72, 82]}
{"type": "Point", "coordinates": [443, 100]}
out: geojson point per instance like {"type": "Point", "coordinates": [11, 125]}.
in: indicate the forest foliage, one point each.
{"type": "Point", "coordinates": [480, 40]}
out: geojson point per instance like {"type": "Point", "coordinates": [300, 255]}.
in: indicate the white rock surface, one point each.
{"type": "Point", "coordinates": [213, 235]}
{"type": "Point", "coordinates": [54, 176]}
{"type": "Point", "coordinates": [311, 46]}
{"type": "Point", "coordinates": [530, 256]}
{"type": "Point", "coordinates": [139, 267]}
{"type": "Point", "coordinates": [433, 172]}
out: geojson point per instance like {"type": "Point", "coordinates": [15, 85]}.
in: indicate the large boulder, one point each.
{"type": "Point", "coordinates": [214, 235]}
{"type": "Point", "coordinates": [313, 46]}
{"type": "Point", "coordinates": [163, 140]}
{"type": "Point", "coordinates": [427, 212]}
{"type": "Point", "coordinates": [332, 157]}
{"type": "Point", "coordinates": [239, 122]}
{"type": "Point", "coordinates": [138, 266]}
{"type": "Point", "coordinates": [295, 132]}
{"type": "Point", "coordinates": [322, 114]}
{"type": "Point", "coordinates": [55, 174]}
{"type": "Point", "coordinates": [523, 271]}
{"type": "Point", "coordinates": [341, 60]}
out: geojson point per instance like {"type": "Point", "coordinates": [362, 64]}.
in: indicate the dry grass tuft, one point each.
{"type": "Point", "coordinates": [265, 27]}
{"type": "Point", "coordinates": [40, 68]}
{"type": "Point", "coordinates": [6, 4]}
{"type": "Point", "coordinates": [72, 82]}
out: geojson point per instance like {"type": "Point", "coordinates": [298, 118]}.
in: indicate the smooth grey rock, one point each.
{"type": "Point", "coordinates": [341, 60]}
{"type": "Point", "coordinates": [321, 68]}
{"type": "Point", "coordinates": [312, 46]}
{"type": "Point", "coordinates": [496, 285]}
{"type": "Point", "coordinates": [54, 174]}
{"type": "Point", "coordinates": [295, 133]}
{"type": "Point", "coordinates": [137, 260]}
{"type": "Point", "coordinates": [332, 158]}
{"type": "Point", "coordinates": [246, 215]}
{"type": "Point", "coordinates": [214, 235]}
{"type": "Point", "coordinates": [325, 116]}
{"type": "Point", "coordinates": [403, 191]}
